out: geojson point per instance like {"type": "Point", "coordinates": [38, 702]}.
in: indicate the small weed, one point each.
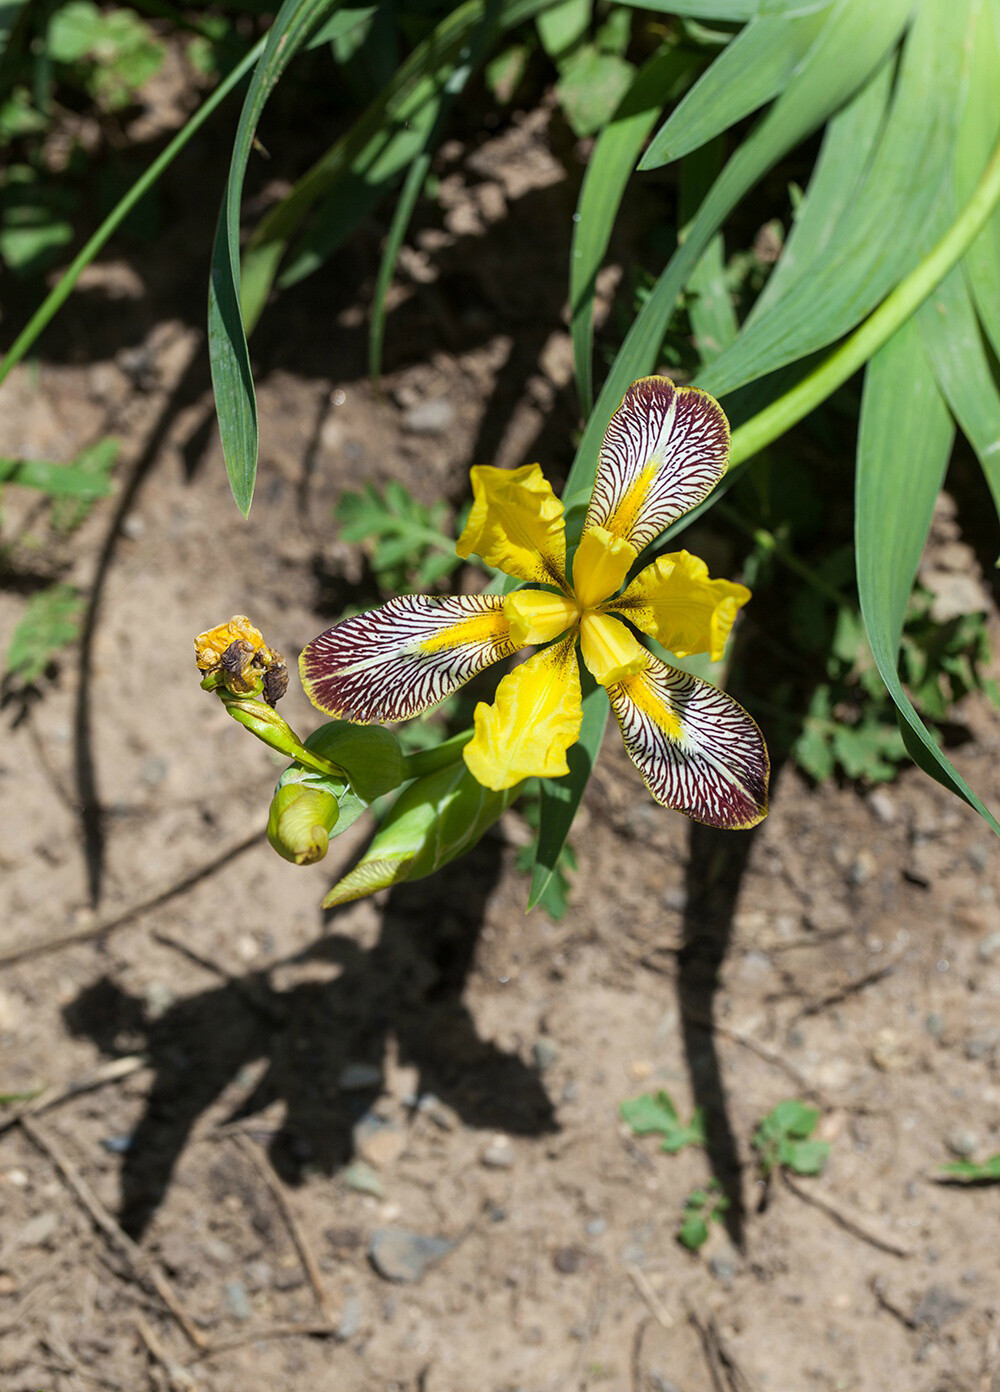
{"type": "Point", "coordinates": [410, 546]}
{"type": "Point", "coordinates": [782, 1140]}
{"type": "Point", "coordinates": [972, 1171]}
{"type": "Point", "coordinates": [702, 1208]}
{"type": "Point", "coordinates": [50, 621]}
{"type": "Point", "coordinates": [655, 1112]}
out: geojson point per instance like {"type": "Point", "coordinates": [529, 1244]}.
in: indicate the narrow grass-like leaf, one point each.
{"type": "Point", "coordinates": [979, 133]}
{"type": "Point", "coordinates": [57, 480]}
{"type": "Point", "coordinates": [62, 290]}
{"type": "Point", "coordinates": [851, 47]}
{"type": "Point", "coordinates": [563, 26]}
{"type": "Point", "coordinates": [753, 68]}
{"type": "Point", "coordinates": [841, 167]}
{"type": "Point", "coordinates": [232, 378]}
{"type": "Point", "coordinates": [560, 797]}
{"type": "Point", "coordinates": [608, 171]}
{"type": "Point", "coordinates": [359, 168]}
{"type": "Point", "coordinates": [954, 345]}
{"type": "Point", "coordinates": [710, 306]}
{"type": "Point", "coordinates": [891, 219]}
{"type": "Point", "coordinates": [416, 177]}
{"type": "Point", "coordinates": [727, 9]}
{"type": "Point", "coordinates": [903, 447]}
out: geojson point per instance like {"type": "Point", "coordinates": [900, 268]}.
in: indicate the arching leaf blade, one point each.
{"type": "Point", "coordinates": [904, 441]}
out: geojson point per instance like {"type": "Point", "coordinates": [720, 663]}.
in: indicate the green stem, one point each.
{"type": "Point", "coordinates": [768, 542]}
{"type": "Point", "coordinates": [58, 296]}
{"type": "Point", "coordinates": [877, 329]}
{"type": "Point", "coordinates": [430, 760]}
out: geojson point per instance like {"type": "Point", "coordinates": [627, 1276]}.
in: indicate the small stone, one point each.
{"type": "Point", "coordinates": [962, 1142]}
{"type": "Point", "coordinates": [596, 1227]}
{"type": "Point", "coordinates": [937, 1307]}
{"type": "Point", "coordinates": [675, 899]}
{"type": "Point", "coordinates": [640, 1070]}
{"type": "Point", "coordinates": [18, 1178]}
{"type": "Point", "coordinates": [349, 1323]}
{"type": "Point", "coordinates": [722, 1269]}
{"type": "Point", "coordinates": [498, 1155]}
{"type": "Point", "coordinates": [399, 1255]}
{"type": "Point", "coordinates": [238, 1300]}
{"type": "Point", "coordinates": [259, 1275]}
{"type": "Point", "coordinates": [862, 869]}
{"type": "Point", "coordinates": [432, 416]}
{"type": "Point", "coordinates": [567, 1260]}
{"type": "Point", "coordinates": [8, 1285]}
{"type": "Point", "coordinates": [133, 526]}
{"type": "Point", "coordinates": [381, 1146]}
{"type": "Point", "coordinates": [989, 947]}
{"type": "Point", "coordinates": [218, 1251]}
{"type": "Point", "coordinates": [38, 1230]}
{"type": "Point", "coordinates": [659, 1383]}
{"type": "Point", "coordinates": [159, 998]}
{"type": "Point", "coordinates": [891, 1052]}
{"type": "Point", "coordinates": [117, 1145]}
{"type": "Point", "coordinates": [545, 1054]}
{"type": "Point", "coordinates": [356, 1077]}
{"type": "Point", "coordinates": [363, 1180]}
{"type": "Point", "coordinates": [883, 807]}
{"type": "Point", "coordinates": [153, 772]}
{"type": "Point", "coordinates": [935, 1025]}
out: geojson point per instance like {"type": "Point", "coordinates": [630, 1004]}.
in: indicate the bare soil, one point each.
{"type": "Point", "coordinates": [304, 1088]}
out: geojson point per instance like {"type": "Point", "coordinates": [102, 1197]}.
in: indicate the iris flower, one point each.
{"type": "Point", "coordinates": [696, 749]}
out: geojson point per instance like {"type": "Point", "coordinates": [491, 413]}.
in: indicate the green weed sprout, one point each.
{"type": "Point", "coordinates": [783, 1140]}
{"type": "Point", "coordinates": [655, 1113]}
{"type": "Point", "coordinates": [702, 1208]}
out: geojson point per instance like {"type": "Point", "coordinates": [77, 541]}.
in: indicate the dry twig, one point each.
{"type": "Point", "coordinates": [110, 1072]}
{"type": "Point", "coordinates": [847, 1221]}
{"type": "Point", "coordinates": [179, 1378]}
{"type": "Point", "coordinates": [754, 1046]}
{"type": "Point", "coordinates": [643, 1285]}
{"type": "Point", "coordinates": [727, 1373]}
{"type": "Point", "coordinates": [308, 1260]}
{"type": "Point", "coordinates": [111, 922]}
{"type": "Point", "coordinates": [142, 1264]}
{"type": "Point", "coordinates": [272, 1331]}
{"type": "Point", "coordinates": [850, 989]}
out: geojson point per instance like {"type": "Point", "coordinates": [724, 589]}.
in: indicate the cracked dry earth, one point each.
{"type": "Point", "coordinates": [379, 1149]}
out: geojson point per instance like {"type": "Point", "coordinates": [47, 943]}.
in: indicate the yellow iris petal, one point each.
{"type": "Point", "coordinates": [610, 650]}
{"type": "Point", "coordinates": [516, 524]}
{"type": "Point", "coordinates": [537, 617]}
{"type": "Point", "coordinates": [675, 601]}
{"type": "Point", "coordinates": [535, 717]}
{"type": "Point", "coordinates": [600, 565]}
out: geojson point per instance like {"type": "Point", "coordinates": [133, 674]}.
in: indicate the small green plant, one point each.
{"type": "Point", "coordinates": [782, 1140]}
{"type": "Point", "coordinates": [50, 621]}
{"type": "Point", "coordinates": [702, 1208]}
{"type": "Point", "coordinates": [409, 545]}
{"type": "Point", "coordinates": [972, 1171]}
{"type": "Point", "coordinates": [655, 1112]}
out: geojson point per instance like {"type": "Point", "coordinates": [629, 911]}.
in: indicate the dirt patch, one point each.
{"type": "Point", "coordinates": [397, 1124]}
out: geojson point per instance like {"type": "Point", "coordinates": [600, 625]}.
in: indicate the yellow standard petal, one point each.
{"type": "Point", "coordinates": [600, 565]}
{"type": "Point", "coordinates": [675, 601]}
{"type": "Point", "coordinates": [536, 616]}
{"type": "Point", "coordinates": [610, 650]}
{"type": "Point", "coordinates": [535, 717]}
{"type": "Point", "coordinates": [516, 524]}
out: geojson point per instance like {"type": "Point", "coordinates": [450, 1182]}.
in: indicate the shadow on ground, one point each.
{"type": "Point", "coordinates": [407, 987]}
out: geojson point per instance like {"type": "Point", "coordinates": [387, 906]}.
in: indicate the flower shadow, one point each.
{"type": "Point", "coordinates": [323, 1040]}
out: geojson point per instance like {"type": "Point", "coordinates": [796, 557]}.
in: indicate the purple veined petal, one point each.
{"type": "Point", "coordinates": [394, 662]}
{"type": "Point", "coordinates": [697, 750]}
{"type": "Point", "coordinates": [664, 450]}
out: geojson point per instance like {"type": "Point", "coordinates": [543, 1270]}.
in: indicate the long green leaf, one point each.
{"type": "Point", "coordinates": [958, 356]}
{"type": "Point", "coordinates": [232, 378]}
{"type": "Point", "coordinates": [58, 480]}
{"type": "Point", "coordinates": [727, 9]}
{"type": "Point", "coordinates": [710, 305]}
{"type": "Point", "coordinates": [609, 168]}
{"type": "Point", "coordinates": [560, 797]}
{"type": "Point", "coordinates": [753, 68]}
{"type": "Point", "coordinates": [903, 447]}
{"type": "Point", "coordinates": [978, 135]}
{"type": "Point", "coordinates": [852, 46]}
{"type": "Point", "coordinates": [891, 219]}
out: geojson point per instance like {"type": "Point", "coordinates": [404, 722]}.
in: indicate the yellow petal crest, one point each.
{"type": "Point", "coordinates": [676, 603]}
{"type": "Point", "coordinates": [535, 717]}
{"type": "Point", "coordinates": [600, 565]}
{"type": "Point", "coordinates": [535, 616]}
{"type": "Point", "coordinates": [516, 524]}
{"type": "Point", "coordinates": [610, 650]}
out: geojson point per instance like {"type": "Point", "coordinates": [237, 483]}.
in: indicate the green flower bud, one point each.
{"type": "Point", "coordinates": [300, 821]}
{"type": "Point", "coordinates": [434, 820]}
